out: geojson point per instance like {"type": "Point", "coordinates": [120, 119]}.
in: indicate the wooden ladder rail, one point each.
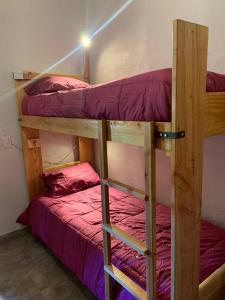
{"type": "Point", "coordinates": [102, 133]}
{"type": "Point", "coordinates": [148, 249]}
{"type": "Point", "coordinates": [150, 208]}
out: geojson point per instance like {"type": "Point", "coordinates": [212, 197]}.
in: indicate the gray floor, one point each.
{"type": "Point", "coordinates": [29, 272]}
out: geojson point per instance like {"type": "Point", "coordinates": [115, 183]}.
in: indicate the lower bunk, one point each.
{"type": "Point", "coordinates": [71, 227]}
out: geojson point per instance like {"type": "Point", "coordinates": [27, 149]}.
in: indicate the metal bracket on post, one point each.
{"type": "Point", "coordinates": [170, 134]}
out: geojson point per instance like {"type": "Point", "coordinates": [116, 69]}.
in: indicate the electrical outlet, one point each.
{"type": "Point", "coordinates": [6, 141]}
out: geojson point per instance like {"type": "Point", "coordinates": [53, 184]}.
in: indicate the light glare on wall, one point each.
{"type": "Point", "coordinates": [85, 41]}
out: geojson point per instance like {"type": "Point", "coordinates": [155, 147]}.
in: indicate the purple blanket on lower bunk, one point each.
{"type": "Point", "coordinates": [71, 226]}
{"type": "Point", "coordinates": [145, 97]}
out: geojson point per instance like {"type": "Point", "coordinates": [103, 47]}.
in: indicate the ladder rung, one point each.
{"type": "Point", "coordinates": [126, 238]}
{"type": "Point", "coordinates": [124, 188]}
{"type": "Point", "coordinates": [126, 282]}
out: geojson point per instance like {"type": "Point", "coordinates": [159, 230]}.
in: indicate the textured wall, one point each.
{"type": "Point", "coordinates": [34, 35]}
{"type": "Point", "coordinates": [140, 39]}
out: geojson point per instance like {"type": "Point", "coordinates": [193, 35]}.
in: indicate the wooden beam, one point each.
{"type": "Point", "coordinates": [213, 287]}
{"type": "Point", "coordinates": [78, 127]}
{"type": "Point", "coordinates": [86, 65]}
{"type": "Point", "coordinates": [28, 75]}
{"type": "Point", "coordinates": [102, 134]}
{"type": "Point", "coordinates": [150, 208]}
{"type": "Point", "coordinates": [59, 167]}
{"type": "Point", "coordinates": [188, 97]}
{"type": "Point", "coordinates": [32, 162]}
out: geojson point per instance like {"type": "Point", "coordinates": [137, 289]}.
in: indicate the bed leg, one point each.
{"type": "Point", "coordinates": [32, 160]}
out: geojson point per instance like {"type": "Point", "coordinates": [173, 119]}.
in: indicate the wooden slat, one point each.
{"type": "Point", "coordinates": [102, 135]}
{"type": "Point", "coordinates": [79, 127]}
{"type": "Point", "coordinates": [124, 188]}
{"type": "Point", "coordinates": [188, 96]}
{"type": "Point", "coordinates": [59, 167]}
{"type": "Point", "coordinates": [86, 65]}
{"type": "Point", "coordinates": [213, 287]}
{"type": "Point", "coordinates": [28, 75]}
{"type": "Point", "coordinates": [126, 282]}
{"type": "Point", "coordinates": [128, 239]}
{"type": "Point", "coordinates": [214, 116]}
{"type": "Point", "coordinates": [150, 208]}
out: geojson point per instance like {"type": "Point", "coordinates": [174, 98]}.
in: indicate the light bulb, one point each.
{"type": "Point", "coordinates": [86, 41]}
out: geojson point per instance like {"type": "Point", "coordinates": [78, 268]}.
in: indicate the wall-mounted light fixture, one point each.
{"type": "Point", "coordinates": [86, 41]}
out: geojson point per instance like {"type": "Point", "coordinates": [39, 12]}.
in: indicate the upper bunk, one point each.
{"type": "Point", "coordinates": [164, 94]}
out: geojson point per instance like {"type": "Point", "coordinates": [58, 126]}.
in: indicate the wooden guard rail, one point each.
{"type": "Point", "coordinates": [147, 249]}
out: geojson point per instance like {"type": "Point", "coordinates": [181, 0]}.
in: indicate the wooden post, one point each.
{"type": "Point", "coordinates": [150, 209]}
{"type": "Point", "coordinates": [86, 145]}
{"type": "Point", "coordinates": [86, 66]}
{"type": "Point", "coordinates": [32, 161]}
{"type": "Point", "coordinates": [188, 96]}
{"type": "Point", "coordinates": [32, 154]}
{"type": "Point", "coordinates": [86, 150]}
{"type": "Point", "coordinates": [105, 204]}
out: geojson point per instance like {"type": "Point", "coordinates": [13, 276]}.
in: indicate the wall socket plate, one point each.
{"type": "Point", "coordinates": [6, 141]}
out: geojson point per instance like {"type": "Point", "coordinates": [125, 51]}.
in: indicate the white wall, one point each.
{"type": "Point", "coordinates": [140, 39]}
{"type": "Point", "coordinates": [34, 35]}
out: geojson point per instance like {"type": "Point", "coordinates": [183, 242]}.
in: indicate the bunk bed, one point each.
{"type": "Point", "coordinates": [195, 115]}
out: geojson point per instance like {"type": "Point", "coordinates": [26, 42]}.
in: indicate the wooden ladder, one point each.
{"type": "Point", "coordinates": [147, 249]}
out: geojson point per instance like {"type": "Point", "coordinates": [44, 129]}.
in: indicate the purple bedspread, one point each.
{"type": "Point", "coordinates": [145, 97]}
{"type": "Point", "coordinates": [71, 227]}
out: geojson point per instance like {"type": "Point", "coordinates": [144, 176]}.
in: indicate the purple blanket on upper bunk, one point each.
{"type": "Point", "coordinates": [71, 226]}
{"type": "Point", "coordinates": [145, 97]}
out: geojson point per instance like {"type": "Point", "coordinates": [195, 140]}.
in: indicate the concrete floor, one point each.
{"type": "Point", "coordinates": [29, 272]}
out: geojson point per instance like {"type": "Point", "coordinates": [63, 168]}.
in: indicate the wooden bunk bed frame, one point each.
{"type": "Point", "coordinates": [195, 115]}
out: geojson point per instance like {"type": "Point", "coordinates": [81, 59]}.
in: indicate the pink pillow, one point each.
{"type": "Point", "coordinates": [52, 84]}
{"type": "Point", "coordinates": [71, 179]}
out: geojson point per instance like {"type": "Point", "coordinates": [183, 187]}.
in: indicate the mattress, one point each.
{"type": "Point", "coordinates": [71, 226]}
{"type": "Point", "coordinates": [145, 97]}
